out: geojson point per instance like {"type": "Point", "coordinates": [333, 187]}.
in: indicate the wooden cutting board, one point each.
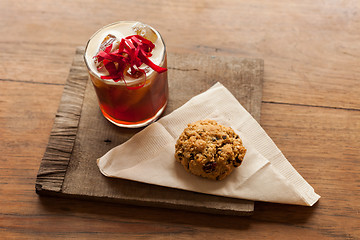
{"type": "Point", "coordinates": [81, 134]}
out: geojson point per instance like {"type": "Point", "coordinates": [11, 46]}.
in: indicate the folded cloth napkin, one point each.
{"type": "Point", "coordinates": [265, 174]}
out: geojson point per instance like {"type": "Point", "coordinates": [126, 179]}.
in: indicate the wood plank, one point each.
{"type": "Point", "coordinates": [81, 135]}
{"type": "Point", "coordinates": [61, 142]}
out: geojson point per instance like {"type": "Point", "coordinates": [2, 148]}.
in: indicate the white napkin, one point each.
{"type": "Point", "coordinates": [265, 174]}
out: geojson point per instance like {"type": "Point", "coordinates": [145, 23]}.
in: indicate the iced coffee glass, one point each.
{"type": "Point", "coordinates": [131, 90]}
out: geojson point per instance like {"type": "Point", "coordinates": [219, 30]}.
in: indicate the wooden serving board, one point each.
{"type": "Point", "coordinates": [81, 134]}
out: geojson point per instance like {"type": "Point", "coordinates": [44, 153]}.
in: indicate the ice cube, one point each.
{"type": "Point", "coordinates": [109, 39]}
{"type": "Point", "coordinates": [145, 31]}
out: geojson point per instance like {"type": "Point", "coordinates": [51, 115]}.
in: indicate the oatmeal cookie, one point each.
{"type": "Point", "coordinates": [208, 149]}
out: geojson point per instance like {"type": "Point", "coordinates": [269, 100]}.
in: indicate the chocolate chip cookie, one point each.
{"type": "Point", "coordinates": [208, 149]}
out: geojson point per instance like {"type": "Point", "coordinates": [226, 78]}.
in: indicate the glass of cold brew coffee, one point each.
{"type": "Point", "coordinates": [127, 65]}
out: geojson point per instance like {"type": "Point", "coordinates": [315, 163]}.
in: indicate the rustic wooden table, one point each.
{"type": "Point", "coordinates": [310, 108]}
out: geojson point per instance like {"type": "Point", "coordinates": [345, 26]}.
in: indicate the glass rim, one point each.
{"type": "Point", "coordinates": [111, 81]}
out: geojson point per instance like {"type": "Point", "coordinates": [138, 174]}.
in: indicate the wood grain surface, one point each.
{"type": "Point", "coordinates": [81, 134]}
{"type": "Point", "coordinates": [310, 108]}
